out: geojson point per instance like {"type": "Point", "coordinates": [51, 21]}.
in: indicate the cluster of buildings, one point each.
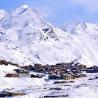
{"type": "Point", "coordinates": [61, 70]}
{"type": "Point", "coordinates": [64, 71]}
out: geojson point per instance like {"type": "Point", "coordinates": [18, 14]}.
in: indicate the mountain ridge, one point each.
{"type": "Point", "coordinates": [26, 38]}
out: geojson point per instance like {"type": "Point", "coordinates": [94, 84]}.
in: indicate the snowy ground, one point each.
{"type": "Point", "coordinates": [38, 87]}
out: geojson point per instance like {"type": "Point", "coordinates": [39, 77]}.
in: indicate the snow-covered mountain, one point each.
{"type": "Point", "coordinates": [26, 38]}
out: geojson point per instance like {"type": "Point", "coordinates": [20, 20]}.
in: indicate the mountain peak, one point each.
{"type": "Point", "coordinates": [24, 6]}
{"type": "Point", "coordinates": [23, 16]}
{"type": "Point", "coordinates": [22, 9]}
{"type": "Point", "coordinates": [78, 25]}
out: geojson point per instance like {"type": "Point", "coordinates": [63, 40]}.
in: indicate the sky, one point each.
{"type": "Point", "coordinates": [59, 12]}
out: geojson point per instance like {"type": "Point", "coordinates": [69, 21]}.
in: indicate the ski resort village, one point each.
{"type": "Point", "coordinates": [41, 60]}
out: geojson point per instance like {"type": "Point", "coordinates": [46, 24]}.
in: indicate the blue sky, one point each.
{"type": "Point", "coordinates": [59, 11]}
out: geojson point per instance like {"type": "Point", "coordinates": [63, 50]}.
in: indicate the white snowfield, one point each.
{"type": "Point", "coordinates": [38, 87]}
{"type": "Point", "coordinates": [28, 85]}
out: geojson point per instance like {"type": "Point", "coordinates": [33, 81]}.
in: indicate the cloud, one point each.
{"type": "Point", "coordinates": [45, 12]}
{"type": "Point", "coordinates": [89, 5]}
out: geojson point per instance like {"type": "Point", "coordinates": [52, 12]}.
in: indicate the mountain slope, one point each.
{"type": "Point", "coordinates": [26, 38]}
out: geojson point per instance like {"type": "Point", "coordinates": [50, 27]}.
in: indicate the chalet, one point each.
{"type": "Point", "coordinates": [3, 62]}
{"type": "Point", "coordinates": [63, 82]}
{"type": "Point", "coordinates": [81, 67]}
{"type": "Point", "coordinates": [56, 96]}
{"type": "Point", "coordinates": [21, 71]}
{"type": "Point", "coordinates": [57, 71]}
{"type": "Point", "coordinates": [36, 76]}
{"type": "Point", "coordinates": [39, 68]}
{"type": "Point", "coordinates": [83, 75]}
{"type": "Point", "coordinates": [93, 69]}
{"type": "Point", "coordinates": [51, 76]}
{"type": "Point", "coordinates": [14, 64]}
{"type": "Point", "coordinates": [29, 68]}
{"type": "Point", "coordinates": [7, 94]}
{"type": "Point", "coordinates": [12, 75]}
{"type": "Point", "coordinates": [75, 70]}
{"type": "Point", "coordinates": [61, 64]}
{"type": "Point", "coordinates": [68, 76]}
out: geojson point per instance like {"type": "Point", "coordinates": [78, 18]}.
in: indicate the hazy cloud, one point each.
{"type": "Point", "coordinates": [89, 5]}
{"type": "Point", "coordinates": [45, 12]}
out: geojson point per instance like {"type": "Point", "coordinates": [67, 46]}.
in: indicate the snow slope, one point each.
{"type": "Point", "coordinates": [26, 38]}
